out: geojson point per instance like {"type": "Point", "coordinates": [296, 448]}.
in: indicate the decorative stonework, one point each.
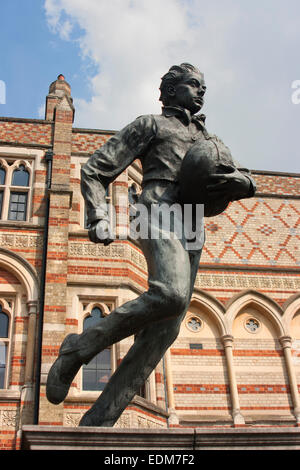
{"type": "Point", "coordinates": [124, 421]}
{"type": "Point", "coordinates": [193, 323]}
{"type": "Point", "coordinates": [246, 281]}
{"type": "Point", "coordinates": [9, 418]}
{"type": "Point", "coordinates": [252, 325]}
{"type": "Point", "coordinates": [11, 240]}
{"type": "Point", "coordinates": [147, 423]}
{"type": "Point", "coordinates": [124, 252]}
{"type": "Point", "coordinates": [72, 419]}
{"type": "Point", "coordinates": [97, 251]}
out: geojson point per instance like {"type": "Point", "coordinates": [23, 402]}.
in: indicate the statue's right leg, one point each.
{"type": "Point", "coordinates": [142, 358]}
{"type": "Point", "coordinates": [167, 297]}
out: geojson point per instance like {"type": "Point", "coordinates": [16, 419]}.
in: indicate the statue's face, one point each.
{"type": "Point", "coordinates": [189, 93]}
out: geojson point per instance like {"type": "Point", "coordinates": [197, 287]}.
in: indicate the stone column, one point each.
{"type": "Point", "coordinates": [286, 343]}
{"type": "Point", "coordinates": [236, 414]}
{"type": "Point", "coordinates": [173, 418]}
{"type": "Point", "coordinates": [27, 391]}
{"type": "Point", "coordinates": [31, 337]}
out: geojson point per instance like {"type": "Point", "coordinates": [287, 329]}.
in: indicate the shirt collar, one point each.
{"type": "Point", "coordinates": [184, 115]}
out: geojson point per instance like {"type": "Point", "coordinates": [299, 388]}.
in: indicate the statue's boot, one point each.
{"type": "Point", "coordinates": [63, 370]}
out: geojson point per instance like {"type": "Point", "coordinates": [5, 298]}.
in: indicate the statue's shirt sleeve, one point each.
{"type": "Point", "coordinates": [110, 160]}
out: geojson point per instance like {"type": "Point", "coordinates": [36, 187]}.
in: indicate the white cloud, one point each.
{"type": "Point", "coordinates": [246, 50]}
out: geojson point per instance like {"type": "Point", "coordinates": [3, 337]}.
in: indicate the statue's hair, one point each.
{"type": "Point", "coordinates": [174, 76]}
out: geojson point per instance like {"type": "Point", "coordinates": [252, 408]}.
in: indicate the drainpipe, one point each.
{"type": "Point", "coordinates": [48, 158]}
{"type": "Point", "coordinates": [165, 388]}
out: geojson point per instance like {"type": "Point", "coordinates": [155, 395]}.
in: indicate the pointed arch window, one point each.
{"type": "Point", "coordinates": [4, 343]}
{"type": "Point", "coordinates": [18, 199]}
{"type": "Point", "coordinates": [97, 372]}
{"type": "Point", "coordinates": [2, 187]}
{"type": "Point", "coordinates": [2, 176]}
{"type": "Point", "coordinates": [20, 176]}
{"type": "Point", "coordinates": [15, 189]}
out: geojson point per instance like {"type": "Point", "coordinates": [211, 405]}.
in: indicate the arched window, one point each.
{"type": "Point", "coordinates": [4, 342]}
{"type": "Point", "coordinates": [2, 175]}
{"type": "Point", "coordinates": [97, 372]}
{"type": "Point", "coordinates": [2, 183]}
{"type": "Point", "coordinates": [20, 176]}
{"type": "Point", "coordinates": [15, 188]}
{"type": "Point", "coordinates": [18, 199]}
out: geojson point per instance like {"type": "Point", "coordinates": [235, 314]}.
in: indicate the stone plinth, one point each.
{"type": "Point", "coordinates": [95, 438]}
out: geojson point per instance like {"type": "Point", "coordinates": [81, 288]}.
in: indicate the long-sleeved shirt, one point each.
{"type": "Point", "coordinates": [159, 141]}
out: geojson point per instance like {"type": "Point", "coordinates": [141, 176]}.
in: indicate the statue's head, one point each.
{"type": "Point", "coordinates": [183, 85]}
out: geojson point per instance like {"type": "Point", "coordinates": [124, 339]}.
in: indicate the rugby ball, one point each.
{"type": "Point", "coordinates": [204, 158]}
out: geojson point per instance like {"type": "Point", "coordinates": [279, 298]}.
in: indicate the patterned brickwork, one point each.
{"type": "Point", "coordinates": [25, 132]}
{"type": "Point", "coordinates": [255, 232]}
{"type": "Point", "coordinates": [277, 183]}
{"type": "Point", "coordinates": [87, 142]}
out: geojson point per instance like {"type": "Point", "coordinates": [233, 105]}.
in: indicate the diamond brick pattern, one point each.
{"type": "Point", "coordinates": [87, 143]}
{"type": "Point", "coordinates": [257, 232]}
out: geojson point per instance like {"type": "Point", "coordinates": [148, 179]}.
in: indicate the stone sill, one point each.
{"type": "Point", "coordinates": [10, 396]}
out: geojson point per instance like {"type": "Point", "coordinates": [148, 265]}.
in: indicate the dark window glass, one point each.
{"type": "Point", "coordinates": [97, 372]}
{"type": "Point", "coordinates": [17, 206]}
{"type": "Point", "coordinates": [93, 318]}
{"type": "Point", "coordinates": [20, 177]}
{"type": "Point", "coordinates": [2, 176]}
{"type": "Point", "coordinates": [1, 202]}
{"type": "Point", "coordinates": [3, 350]}
{"type": "Point", "coordinates": [4, 320]}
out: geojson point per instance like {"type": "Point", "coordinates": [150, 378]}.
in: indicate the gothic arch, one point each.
{"type": "Point", "coordinates": [213, 307]}
{"type": "Point", "coordinates": [257, 300]}
{"type": "Point", "coordinates": [291, 307]}
{"type": "Point", "coordinates": [22, 270]}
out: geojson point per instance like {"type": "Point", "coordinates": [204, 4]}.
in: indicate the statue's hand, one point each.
{"type": "Point", "coordinates": [231, 186]}
{"type": "Point", "coordinates": [100, 232]}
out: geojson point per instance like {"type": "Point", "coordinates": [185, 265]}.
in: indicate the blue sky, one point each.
{"type": "Point", "coordinates": [31, 57]}
{"type": "Point", "coordinates": [114, 52]}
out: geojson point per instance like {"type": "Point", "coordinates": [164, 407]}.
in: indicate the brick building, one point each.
{"type": "Point", "coordinates": [236, 361]}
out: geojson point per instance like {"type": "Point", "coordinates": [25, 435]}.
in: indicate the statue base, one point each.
{"type": "Point", "coordinates": [36, 437]}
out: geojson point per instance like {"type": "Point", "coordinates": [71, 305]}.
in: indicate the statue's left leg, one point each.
{"type": "Point", "coordinates": [146, 352]}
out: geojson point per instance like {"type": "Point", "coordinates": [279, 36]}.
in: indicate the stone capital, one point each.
{"type": "Point", "coordinates": [32, 306]}
{"type": "Point", "coordinates": [286, 341]}
{"type": "Point", "coordinates": [227, 341]}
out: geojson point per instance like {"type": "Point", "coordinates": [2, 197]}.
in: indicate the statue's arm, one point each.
{"type": "Point", "coordinates": [110, 160]}
{"type": "Point", "coordinates": [252, 185]}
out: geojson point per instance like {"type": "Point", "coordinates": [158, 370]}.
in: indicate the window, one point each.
{"type": "Point", "coordinates": [194, 323]}
{"type": "Point", "coordinates": [2, 176]}
{"type": "Point", "coordinates": [97, 372]}
{"type": "Point", "coordinates": [4, 343]}
{"type": "Point", "coordinates": [15, 176]}
{"type": "Point", "coordinates": [17, 206]}
{"type": "Point", "coordinates": [252, 325]}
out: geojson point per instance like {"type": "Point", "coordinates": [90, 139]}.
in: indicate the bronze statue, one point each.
{"type": "Point", "coordinates": [161, 142]}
